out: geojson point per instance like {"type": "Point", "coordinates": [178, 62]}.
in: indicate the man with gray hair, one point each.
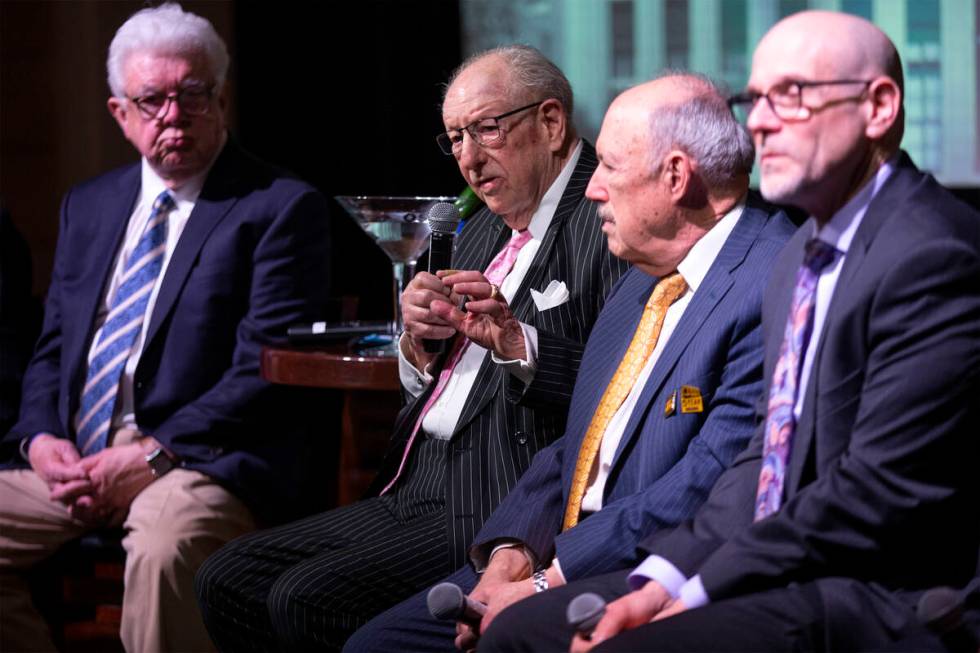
{"type": "Point", "coordinates": [536, 272]}
{"type": "Point", "coordinates": [665, 396]}
{"type": "Point", "coordinates": [143, 406]}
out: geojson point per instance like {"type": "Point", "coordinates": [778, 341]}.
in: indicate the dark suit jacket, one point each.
{"type": "Point", "coordinates": [251, 260]}
{"type": "Point", "coordinates": [882, 484]}
{"type": "Point", "coordinates": [664, 465]}
{"type": "Point", "coordinates": [495, 437]}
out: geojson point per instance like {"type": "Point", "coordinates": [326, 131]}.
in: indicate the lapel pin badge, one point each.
{"type": "Point", "coordinates": [671, 406]}
{"type": "Point", "coordinates": [691, 401]}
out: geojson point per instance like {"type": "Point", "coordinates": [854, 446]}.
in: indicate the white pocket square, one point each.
{"type": "Point", "coordinates": [555, 294]}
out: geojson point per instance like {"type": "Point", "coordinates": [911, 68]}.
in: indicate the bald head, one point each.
{"type": "Point", "coordinates": [524, 72]}
{"type": "Point", "coordinates": [838, 45]}
{"type": "Point", "coordinates": [837, 81]}
{"type": "Point", "coordinates": [688, 112]}
{"type": "Point", "coordinates": [673, 162]}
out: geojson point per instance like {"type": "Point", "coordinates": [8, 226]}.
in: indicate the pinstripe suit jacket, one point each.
{"type": "Point", "coordinates": [665, 465]}
{"type": "Point", "coordinates": [496, 437]}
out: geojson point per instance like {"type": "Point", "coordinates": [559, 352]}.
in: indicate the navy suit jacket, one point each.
{"type": "Point", "coordinates": [664, 465]}
{"type": "Point", "coordinates": [252, 259]}
{"type": "Point", "coordinates": [882, 483]}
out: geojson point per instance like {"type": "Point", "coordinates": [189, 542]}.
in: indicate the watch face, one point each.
{"type": "Point", "coordinates": [159, 462]}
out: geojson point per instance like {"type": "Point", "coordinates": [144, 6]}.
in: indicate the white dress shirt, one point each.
{"type": "Point", "coordinates": [838, 233]}
{"type": "Point", "coordinates": [184, 197]}
{"type": "Point", "coordinates": [440, 421]}
{"type": "Point", "coordinates": [693, 268]}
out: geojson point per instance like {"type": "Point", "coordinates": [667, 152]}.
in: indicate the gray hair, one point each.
{"type": "Point", "coordinates": [166, 29]}
{"type": "Point", "coordinates": [531, 71]}
{"type": "Point", "coordinates": [703, 126]}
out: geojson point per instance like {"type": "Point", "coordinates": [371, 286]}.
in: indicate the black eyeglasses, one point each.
{"type": "Point", "coordinates": [785, 99]}
{"type": "Point", "coordinates": [484, 131]}
{"type": "Point", "coordinates": [194, 100]}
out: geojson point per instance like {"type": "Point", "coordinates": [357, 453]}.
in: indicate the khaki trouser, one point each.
{"type": "Point", "coordinates": [172, 526]}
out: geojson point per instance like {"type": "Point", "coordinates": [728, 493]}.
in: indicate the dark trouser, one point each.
{"type": "Point", "coordinates": [408, 626]}
{"type": "Point", "coordinates": [538, 622]}
{"type": "Point", "coordinates": [832, 614]}
{"type": "Point", "coordinates": [310, 584]}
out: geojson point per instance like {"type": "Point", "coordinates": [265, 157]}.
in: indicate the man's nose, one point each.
{"type": "Point", "coordinates": [171, 111]}
{"type": "Point", "coordinates": [761, 117]}
{"type": "Point", "coordinates": [596, 190]}
{"type": "Point", "coordinates": [471, 154]}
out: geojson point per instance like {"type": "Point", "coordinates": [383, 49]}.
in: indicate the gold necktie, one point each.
{"type": "Point", "coordinates": [644, 342]}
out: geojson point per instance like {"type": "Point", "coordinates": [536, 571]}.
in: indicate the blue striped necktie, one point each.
{"type": "Point", "coordinates": [122, 324]}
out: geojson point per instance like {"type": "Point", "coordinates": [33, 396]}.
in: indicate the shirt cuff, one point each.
{"type": "Point", "coordinates": [481, 565]}
{"type": "Point", "coordinates": [557, 566]}
{"type": "Point", "coordinates": [660, 570]}
{"type": "Point", "coordinates": [693, 594]}
{"type": "Point", "coordinates": [414, 381]}
{"type": "Point", "coordinates": [25, 446]}
{"type": "Point", "coordinates": [522, 369]}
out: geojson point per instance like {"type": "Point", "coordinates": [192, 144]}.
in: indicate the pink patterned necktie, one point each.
{"type": "Point", "coordinates": [780, 420]}
{"type": "Point", "coordinates": [495, 273]}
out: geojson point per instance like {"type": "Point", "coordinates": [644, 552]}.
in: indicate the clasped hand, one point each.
{"type": "Point", "coordinates": [430, 310]}
{"type": "Point", "coordinates": [96, 489]}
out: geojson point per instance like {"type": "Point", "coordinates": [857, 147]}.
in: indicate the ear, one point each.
{"type": "Point", "coordinates": [119, 108]}
{"type": "Point", "coordinates": [885, 103]}
{"type": "Point", "coordinates": [555, 122]}
{"type": "Point", "coordinates": [675, 174]}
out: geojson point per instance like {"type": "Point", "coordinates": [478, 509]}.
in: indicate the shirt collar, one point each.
{"type": "Point", "coordinates": [694, 267]}
{"type": "Point", "coordinates": [839, 232]}
{"type": "Point", "coordinates": [549, 203]}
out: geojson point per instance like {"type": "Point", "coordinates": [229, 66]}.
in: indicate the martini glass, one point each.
{"type": "Point", "coordinates": [398, 226]}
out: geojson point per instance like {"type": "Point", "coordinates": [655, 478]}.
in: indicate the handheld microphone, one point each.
{"type": "Point", "coordinates": [443, 219]}
{"type": "Point", "coordinates": [941, 609]}
{"type": "Point", "coordinates": [584, 612]}
{"type": "Point", "coordinates": [447, 601]}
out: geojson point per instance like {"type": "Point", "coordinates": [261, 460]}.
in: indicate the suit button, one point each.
{"type": "Point", "coordinates": [217, 451]}
{"type": "Point", "coordinates": [521, 437]}
{"type": "Point", "coordinates": [139, 385]}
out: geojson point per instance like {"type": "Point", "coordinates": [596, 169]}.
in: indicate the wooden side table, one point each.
{"type": "Point", "coordinates": [372, 398]}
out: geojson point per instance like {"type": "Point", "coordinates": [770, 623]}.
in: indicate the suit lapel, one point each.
{"type": "Point", "coordinates": [523, 304]}
{"type": "Point", "coordinates": [214, 202]}
{"type": "Point", "coordinates": [709, 295]}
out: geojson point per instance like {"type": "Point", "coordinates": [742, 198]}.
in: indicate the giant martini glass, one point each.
{"type": "Point", "coordinates": [398, 226]}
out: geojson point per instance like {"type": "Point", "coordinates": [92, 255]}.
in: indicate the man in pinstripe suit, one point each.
{"type": "Point", "coordinates": [672, 187]}
{"type": "Point", "coordinates": [477, 415]}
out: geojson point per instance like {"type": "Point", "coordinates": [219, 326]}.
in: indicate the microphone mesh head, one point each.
{"type": "Point", "coordinates": [445, 600]}
{"type": "Point", "coordinates": [584, 611]}
{"type": "Point", "coordinates": [443, 217]}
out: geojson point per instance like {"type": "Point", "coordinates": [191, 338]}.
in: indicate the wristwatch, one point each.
{"type": "Point", "coordinates": [160, 462]}
{"type": "Point", "coordinates": [539, 580]}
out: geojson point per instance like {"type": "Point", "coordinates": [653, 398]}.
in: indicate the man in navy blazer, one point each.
{"type": "Point", "coordinates": [830, 547]}
{"type": "Point", "coordinates": [672, 188]}
{"type": "Point", "coordinates": [197, 447]}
